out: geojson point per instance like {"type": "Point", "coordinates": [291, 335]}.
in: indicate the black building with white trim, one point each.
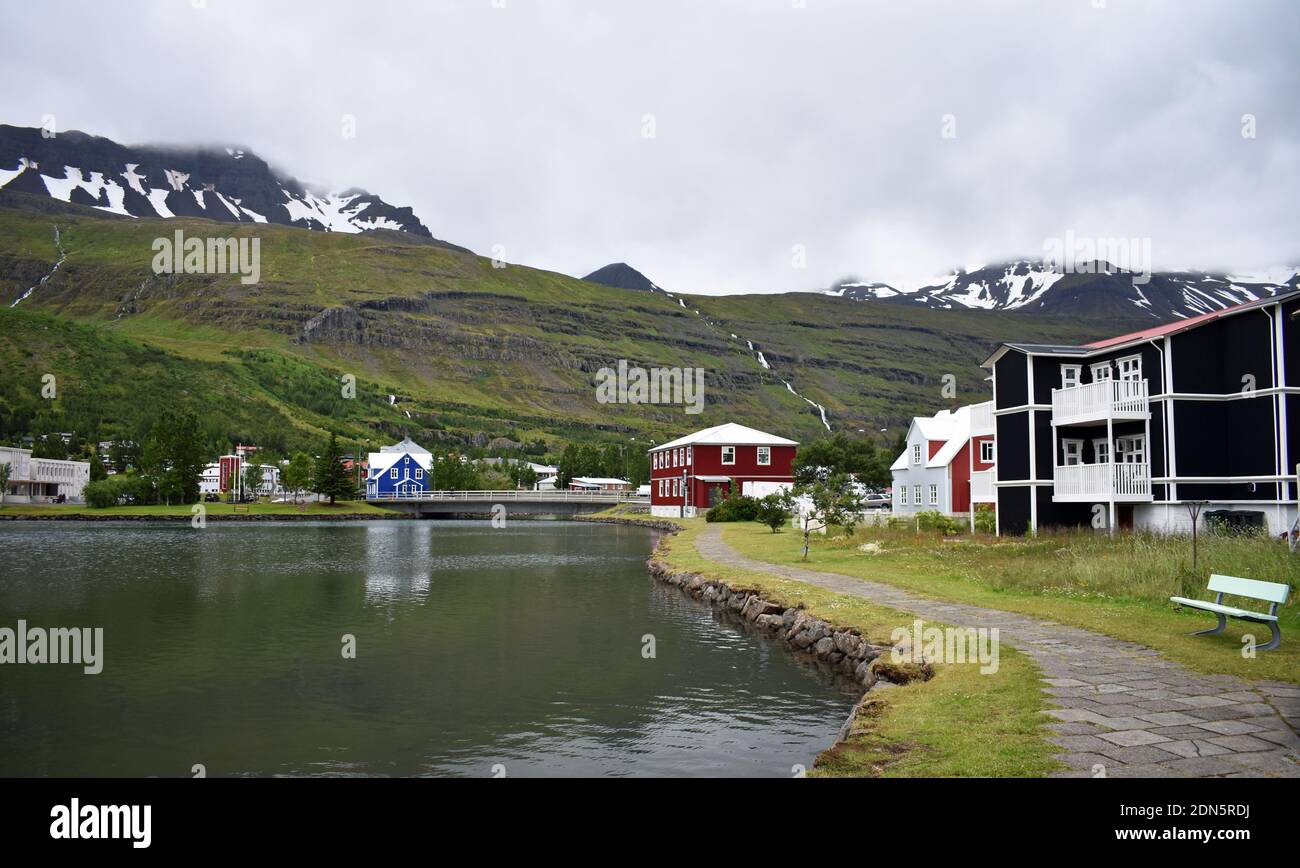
{"type": "Point", "coordinates": [1125, 432]}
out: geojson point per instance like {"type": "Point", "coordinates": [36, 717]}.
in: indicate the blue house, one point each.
{"type": "Point", "coordinates": [402, 470]}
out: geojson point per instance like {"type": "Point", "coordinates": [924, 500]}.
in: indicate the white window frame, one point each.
{"type": "Point", "coordinates": [1102, 371]}
{"type": "Point", "coordinates": [991, 448]}
{"type": "Point", "coordinates": [916, 495]}
{"type": "Point", "coordinates": [902, 495]}
{"type": "Point", "coordinates": [764, 456]}
{"type": "Point", "coordinates": [690, 455]}
{"type": "Point", "coordinates": [916, 453]}
{"type": "Point", "coordinates": [1099, 446]}
{"type": "Point", "coordinates": [392, 474]}
{"type": "Point", "coordinates": [934, 494]}
{"type": "Point", "coordinates": [419, 473]}
{"type": "Point", "coordinates": [1071, 376]}
{"type": "Point", "coordinates": [1071, 449]}
{"type": "Point", "coordinates": [1133, 374]}
{"type": "Point", "coordinates": [728, 454]}
{"type": "Point", "coordinates": [1131, 445]}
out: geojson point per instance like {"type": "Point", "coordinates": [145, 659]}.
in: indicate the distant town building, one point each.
{"type": "Point", "coordinates": [400, 470]}
{"type": "Point", "coordinates": [693, 473]}
{"type": "Point", "coordinates": [42, 480]}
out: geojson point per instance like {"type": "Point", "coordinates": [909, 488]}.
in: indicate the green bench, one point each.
{"type": "Point", "coordinates": [1269, 592]}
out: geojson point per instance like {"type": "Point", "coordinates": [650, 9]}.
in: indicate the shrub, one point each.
{"type": "Point", "coordinates": [737, 507]}
{"type": "Point", "coordinates": [986, 519]}
{"type": "Point", "coordinates": [935, 520]}
{"type": "Point", "coordinates": [774, 511]}
{"type": "Point", "coordinates": [117, 489]}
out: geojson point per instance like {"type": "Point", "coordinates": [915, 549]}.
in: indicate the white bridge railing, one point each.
{"type": "Point", "coordinates": [514, 495]}
{"type": "Point", "coordinates": [1104, 399]}
{"type": "Point", "coordinates": [1101, 481]}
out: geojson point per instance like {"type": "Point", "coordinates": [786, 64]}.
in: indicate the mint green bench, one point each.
{"type": "Point", "coordinates": [1269, 592]}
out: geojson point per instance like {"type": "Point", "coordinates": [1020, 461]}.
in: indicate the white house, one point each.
{"type": "Point", "coordinates": [949, 462]}
{"type": "Point", "coordinates": [41, 480]}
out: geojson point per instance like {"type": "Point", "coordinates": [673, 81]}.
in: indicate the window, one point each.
{"type": "Point", "coordinates": [986, 452]}
{"type": "Point", "coordinates": [1132, 449]}
{"type": "Point", "coordinates": [1101, 450]}
{"type": "Point", "coordinates": [934, 494]}
{"type": "Point", "coordinates": [764, 455]}
{"type": "Point", "coordinates": [392, 474]}
{"type": "Point", "coordinates": [661, 487]}
{"type": "Point", "coordinates": [1071, 375]}
{"type": "Point", "coordinates": [916, 494]}
{"type": "Point", "coordinates": [655, 461]}
{"type": "Point", "coordinates": [690, 454]}
{"type": "Point", "coordinates": [1130, 368]}
{"type": "Point", "coordinates": [728, 454]}
{"type": "Point", "coordinates": [419, 473]}
{"type": "Point", "coordinates": [902, 495]}
{"type": "Point", "coordinates": [916, 453]}
{"type": "Point", "coordinates": [677, 488]}
{"type": "Point", "coordinates": [1072, 452]}
{"type": "Point", "coordinates": [1101, 371]}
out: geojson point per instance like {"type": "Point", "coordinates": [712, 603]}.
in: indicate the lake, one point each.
{"type": "Point", "coordinates": [479, 651]}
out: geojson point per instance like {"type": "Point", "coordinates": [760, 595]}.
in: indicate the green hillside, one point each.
{"type": "Point", "coordinates": [474, 356]}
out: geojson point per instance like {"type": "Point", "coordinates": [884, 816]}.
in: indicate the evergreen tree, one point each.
{"type": "Point", "coordinates": [97, 469]}
{"type": "Point", "coordinates": [331, 479]}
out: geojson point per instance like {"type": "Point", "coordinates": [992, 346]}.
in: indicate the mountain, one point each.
{"type": "Point", "coordinates": [620, 275]}
{"type": "Point", "coordinates": [443, 346]}
{"type": "Point", "coordinates": [226, 184]}
{"type": "Point", "coordinates": [1104, 293]}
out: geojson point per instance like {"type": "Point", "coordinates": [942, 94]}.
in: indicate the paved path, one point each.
{"type": "Point", "coordinates": [1124, 707]}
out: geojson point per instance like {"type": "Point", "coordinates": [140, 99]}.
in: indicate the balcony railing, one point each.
{"type": "Point", "coordinates": [981, 419]}
{"type": "Point", "coordinates": [982, 489]}
{"type": "Point", "coordinates": [1102, 400]}
{"type": "Point", "coordinates": [1128, 483]}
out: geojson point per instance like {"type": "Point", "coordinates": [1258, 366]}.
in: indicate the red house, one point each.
{"type": "Point", "coordinates": [695, 472]}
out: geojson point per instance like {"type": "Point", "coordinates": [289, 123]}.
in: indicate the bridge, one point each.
{"type": "Point", "coordinates": [515, 502]}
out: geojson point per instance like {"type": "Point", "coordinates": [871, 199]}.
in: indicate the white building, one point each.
{"type": "Point", "coordinates": [42, 480]}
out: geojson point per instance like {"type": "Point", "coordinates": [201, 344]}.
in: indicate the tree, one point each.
{"type": "Point", "coordinates": [774, 509]}
{"type": "Point", "coordinates": [124, 455]}
{"type": "Point", "coordinates": [4, 481]}
{"type": "Point", "coordinates": [97, 470]}
{"type": "Point", "coordinates": [451, 474]}
{"type": "Point", "coordinates": [836, 500]}
{"type": "Point", "coordinates": [842, 454]}
{"type": "Point", "coordinates": [331, 479]}
{"type": "Point", "coordinates": [297, 475]}
{"type": "Point", "coordinates": [567, 467]}
{"type": "Point", "coordinates": [50, 446]}
{"type": "Point", "coordinates": [174, 456]}
{"type": "Point", "coordinates": [254, 475]}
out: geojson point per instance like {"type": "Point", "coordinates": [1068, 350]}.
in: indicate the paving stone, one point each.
{"type": "Point", "coordinates": [1139, 755]}
{"type": "Point", "coordinates": [1074, 715]}
{"type": "Point", "coordinates": [1222, 712]}
{"type": "Point", "coordinates": [1269, 761]}
{"type": "Point", "coordinates": [1066, 682]}
{"type": "Point", "coordinates": [1124, 723]}
{"type": "Point", "coordinates": [1150, 770]}
{"type": "Point", "coordinates": [1079, 743]}
{"type": "Point", "coordinates": [1159, 705]}
{"type": "Point", "coordinates": [1175, 718]}
{"type": "Point", "coordinates": [1239, 743]}
{"type": "Point", "coordinates": [1229, 727]}
{"type": "Point", "coordinates": [1135, 737]}
{"type": "Point", "coordinates": [1181, 731]}
{"type": "Point", "coordinates": [1083, 760]}
{"type": "Point", "coordinates": [1203, 766]}
{"type": "Point", "coordinates": [1203, 701]}
{"type": "Point", "coordinates": [1075, 728]}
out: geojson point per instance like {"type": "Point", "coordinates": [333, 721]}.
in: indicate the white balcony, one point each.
{"type": "Point", "coordinates": [981, 419]}
{"type": "Point", "coordinates": [1120, 400]}
{"type": "Point", "coordinates": [1097, 483]}
{"type": "Point", "coordinates": [982, 488]}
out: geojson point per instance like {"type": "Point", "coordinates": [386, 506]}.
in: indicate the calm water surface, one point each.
{"type": "Point", "coordinates": [476, 646]}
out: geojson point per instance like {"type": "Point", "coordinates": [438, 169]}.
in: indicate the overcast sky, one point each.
{"type": "Point", "coordinates": [708, 142]}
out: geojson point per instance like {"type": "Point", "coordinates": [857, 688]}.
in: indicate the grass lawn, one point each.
{"type": "Point", "coordinates": [1117, 587]}
{"type": "Point", "coordinates": [322, 510]}
{"type": "Point", "coordinates": [960, 723]}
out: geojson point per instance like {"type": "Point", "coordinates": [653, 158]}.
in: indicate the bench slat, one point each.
{"type": "Point", "coordinates": [1271, 592]}
{"type": "Point", "coordinates": [1224, 610]}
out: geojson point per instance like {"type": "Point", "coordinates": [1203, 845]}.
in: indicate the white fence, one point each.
{"type": "Point", "coordinates": [982, 488]}
{"type": "Point", "coordinates": [1102, 481]}
{"type": "Point", "coordinates": [1104, 399]}
{"type": "Point", "coordinates": [981, 419]}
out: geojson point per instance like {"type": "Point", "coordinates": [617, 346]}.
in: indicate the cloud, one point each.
{"type": "Point", "coordinates": [708, 142]}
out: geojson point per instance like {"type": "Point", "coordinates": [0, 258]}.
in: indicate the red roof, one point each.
{"type": "Point", "coordinates": [1167, 328]}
